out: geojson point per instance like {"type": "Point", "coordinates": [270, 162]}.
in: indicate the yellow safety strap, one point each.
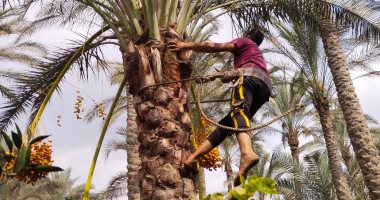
{"type": "Point", "coordinates": [236, 125]}
{"type": "Point", "coordinates": [245, 118]}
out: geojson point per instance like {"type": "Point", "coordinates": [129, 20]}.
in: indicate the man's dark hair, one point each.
{"type": "Point", "coordinates": [256, 35]}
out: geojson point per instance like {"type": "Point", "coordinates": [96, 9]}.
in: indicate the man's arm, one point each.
{"type": "Point", "coordinates": [207, 47]}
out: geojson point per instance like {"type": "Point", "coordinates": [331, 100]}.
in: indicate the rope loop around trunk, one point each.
{"type": "Point", "coordinates": [260, 126]}
{"type": "Point", "coordinates": [204, 79]}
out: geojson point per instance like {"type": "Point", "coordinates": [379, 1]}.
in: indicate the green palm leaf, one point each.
{"type": "Point", "coordinates": [23, 158]}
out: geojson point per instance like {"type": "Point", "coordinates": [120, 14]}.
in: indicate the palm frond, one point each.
{"type": "Point", "coordinates": [71, 14]}
{"type": "Point", "coordinates": [312, 146]}
{"type": "Point", "coordinates": [32, 86]}
{"type": "Point", "coordinates": [360, 15]}
{"type": "Point", "coordinates": [116, 186]}
{"type": "Point", "coordinates": [115, 145]}
{"type": "Point", "coordinates": [106, 103]}
{"type": "Point", "coordinates": [364, 56]}
{"type": "Point", "coordinates": [318, 179]}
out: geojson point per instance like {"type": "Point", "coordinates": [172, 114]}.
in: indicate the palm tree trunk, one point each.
{"type": "Point", "coordinates": [133, 157]}
{"type": "Point", "coordinates": [335, 162]}
{"type": "Point", "coordinates": [293, 144]}
{"type": "Point", "coordinates": [202, 183]}
{"type": "Point", "coordinates": [229, 174]}
{"type": "Point", "coordinates": [164, 132]}
{"type": "Point", "coordinates": [357, 127]}
{"type": "Point", "coordinates": [346, 155]}
{"type": "Point", "coordinates": [163, 121]}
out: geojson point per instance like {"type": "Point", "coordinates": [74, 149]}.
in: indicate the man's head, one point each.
{"type": "Point", "coordinates": [255, 35]}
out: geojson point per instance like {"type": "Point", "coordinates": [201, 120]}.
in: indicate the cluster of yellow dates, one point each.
{"type": "Point", "coordinates": [78, 109]}
{"type": "Point", "coordinates": [40, 155]}
{"type": "Point", "coordinates": [78, 105]}
{"type": "Point", "coordinates": [101, 113]}
{"type": "Point", "coordinates": [212, 159]}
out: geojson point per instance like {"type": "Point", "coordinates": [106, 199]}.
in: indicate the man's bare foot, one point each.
{"type": "Point", "coordinates": [247, 161]}
{"type": "Point", "coordinates": [188, 167]}
{"type": "Point", "coordinates": [188, 162]}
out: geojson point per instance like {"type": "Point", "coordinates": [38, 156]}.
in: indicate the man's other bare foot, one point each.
{"type": "Point", "coordinates": [247, 161]}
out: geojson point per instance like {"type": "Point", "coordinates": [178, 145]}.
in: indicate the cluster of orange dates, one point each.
{"type": "Point", "coordinates": [40, 155]}
{"type": "Point", "coordinates": [212, 159]}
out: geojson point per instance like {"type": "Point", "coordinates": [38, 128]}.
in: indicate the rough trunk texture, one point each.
{"type": "Point", "coordinates": [133, 157]}
{"type": "Point", "coordinates": [163, 121]}
{"type": "Point", "coordinates": [164, 133]}
{"type": "Point", "coordinates": [202, 183]}
{"type": "Point", "coordinates": [357, 127]}
{"type": "Point", "coordinates": [335, 162]}
{"type": "Point", "coordinates": [346, 155]}
{"type": "Point", "coordinates": [229, 174]}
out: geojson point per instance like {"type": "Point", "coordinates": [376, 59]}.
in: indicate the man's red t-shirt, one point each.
{"type": "Point", "coordinates": [248, 52]}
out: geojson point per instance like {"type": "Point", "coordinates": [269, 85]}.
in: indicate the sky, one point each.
{"type": "Point", "coordinates": [75, 141]}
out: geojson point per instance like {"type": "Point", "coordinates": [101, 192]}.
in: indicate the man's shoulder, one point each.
{"type": "Point", "coordinates": [242, 42]}
{"type": "Point", "coordinates": [242, 39]}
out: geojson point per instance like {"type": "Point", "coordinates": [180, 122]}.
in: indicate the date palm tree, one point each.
{"type": "Point", "coordinates": [298, 124]}
{"type": "Point", "coordinates": [130, 23]}
{"type": "Point", "coordinates": [318, 82]}
{"type": "Point", "coordinates": [355, 178]}
{"type": "Point", "coordinates": [357, 126]}
{"type": "Point", "coordinates": [327, 15]}
{"type": "Point", "coordinates": [196, 32]}
{"type": "Point", "coordinates": [315, 80]}
{"type": "Point", "coordinates": [58, 185]}
{"type": "Point", "coordinates": [308, 178]}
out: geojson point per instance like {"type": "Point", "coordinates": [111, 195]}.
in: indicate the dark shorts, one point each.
{"type": "Point", "coordinates": [246, 100]}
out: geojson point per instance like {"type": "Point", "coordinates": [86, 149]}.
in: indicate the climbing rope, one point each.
{"type": "Point", "coordinates": [197, 79]}
{"type": "Point", "coordinates": [297, 107]}
{"type": "Point", "coordinates": [202, 79]}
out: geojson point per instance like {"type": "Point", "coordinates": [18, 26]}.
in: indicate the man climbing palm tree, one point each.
{"type": "Point", "coordinates": [247, 97]}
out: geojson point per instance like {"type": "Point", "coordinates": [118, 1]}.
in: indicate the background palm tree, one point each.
{"type": "Point", "coordinates": [360, 15]}
{"type": "Point", "coordinates": [318, 79]}
{"type": "Point", "coordinates": [15, 52]}
{"type": "Point", "coordinates": [117, 185]}
{"type": "Point", "coordinates": [308, 178]}
{"type": "Point", "coordinates": [314, 79]}
{"type": "Point", "coordinates": [58, 185]}
{"type": "Point", "coordinates": [354, 176]}
{"type": "Point", "coordinates": [296, 124]}
{"type": "Point", "coordinates": [13, 48]}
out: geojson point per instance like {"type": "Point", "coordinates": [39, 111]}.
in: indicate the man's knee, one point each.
{"type": "Point", "coordinates": [216, 137]}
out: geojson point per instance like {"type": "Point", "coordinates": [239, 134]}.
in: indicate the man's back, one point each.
{"type": "Point", "coordinates": [247, 51]}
